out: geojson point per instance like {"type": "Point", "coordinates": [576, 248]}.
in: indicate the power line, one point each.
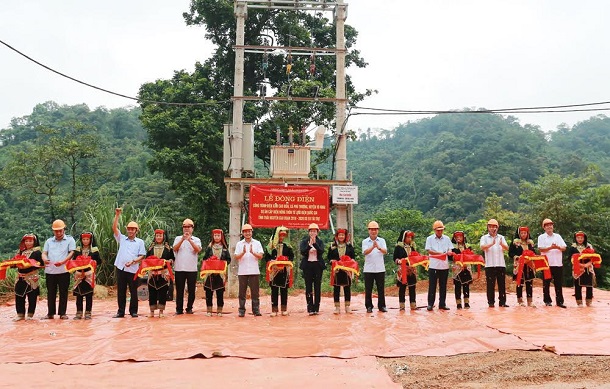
{"type": "Point", "coordinates": [472, 112]}
{"type": "Point", "coordinates": [543, 109]}
{"type": "Point", "coordinates": [106, 90]}
{"type": "Point", "coordinates": [379, 111]}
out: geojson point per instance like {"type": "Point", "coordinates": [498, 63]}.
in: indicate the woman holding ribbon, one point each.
{"type": "Point", "coordinates": [158, 263]}
{"type": "Point", "coordinates": [584, 259]}
{"type": "Point", "coordinates": [523, 272]}
{"type": "Point", "coordinates": [406, 275]}
{"type": "Point", "coordinates": [85, 260]}
{"type": "Point", "coordinates": [462, 276]}
{"type": "Point", "coordinates": [342, 274]}
{"type": "Point", "coordinates": [279, 270]}
{"type": "Point", "coordinates": [216, 258]}
{"type": "Point", "coordinates": [27, 261]}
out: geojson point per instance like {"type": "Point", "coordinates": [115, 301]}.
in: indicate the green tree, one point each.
{"type": "Point", "coordinates": [188, 139]}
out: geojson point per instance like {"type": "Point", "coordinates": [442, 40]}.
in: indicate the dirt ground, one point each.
{"type": "Point", "coordinates": [512, 368]}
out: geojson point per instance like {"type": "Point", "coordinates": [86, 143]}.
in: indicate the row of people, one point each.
{"type": "Point", "coordinates": [164, 262]}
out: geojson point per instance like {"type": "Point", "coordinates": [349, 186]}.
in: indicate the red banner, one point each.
{"type": "Point", "coordinates": [289, 206]}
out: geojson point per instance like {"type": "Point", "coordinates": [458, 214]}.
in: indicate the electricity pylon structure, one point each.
{"type": "Point", "coordinates": [236, 183]}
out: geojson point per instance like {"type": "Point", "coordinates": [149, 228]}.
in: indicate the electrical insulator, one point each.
{"type": "Point", "coordinates": [289, 64]}
{"type": "Point", "coordinates": [312, 65]}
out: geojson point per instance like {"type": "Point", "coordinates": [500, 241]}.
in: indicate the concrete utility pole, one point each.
{"type": "Point", "coordinates": [236, 183]}
{"type": "Point", "coordinates": [341, 106]}
{"type": "Point", "coordinates": [236, 189]}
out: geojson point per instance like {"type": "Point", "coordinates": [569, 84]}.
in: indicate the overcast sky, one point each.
{"type": "Point", "coordinates": [422, 55]}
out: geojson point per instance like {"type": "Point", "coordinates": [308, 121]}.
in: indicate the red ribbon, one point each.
{"type": "Point", "coordinates": [346, 263]}
{"type": "Point", "coordinates": [20, 262]}
{"type": "Point", "coordinates": [537, 262]}
{"type": "Point", "coordinates": [152, 263]}
{"type": "Point", "coordinates": [588, 253]}
{"type": "Point", "coordinates": [468, 257]}
{"type": "Point", "coordinates": [280, 263]}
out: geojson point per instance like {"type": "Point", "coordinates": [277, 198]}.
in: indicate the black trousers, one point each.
{"type": "Point", "coordinates": [276, 294]}
{"type": "Point", "coordinates": [441, 276]}
{"type": "Point", "coordinates": [209, 297]}
{"type": "Point", "coordinates": [252, 282]}
{"type": "Point", "coordinates": [495, 275]}
{"type": "Point", "coordinates": [32, 298]}
{"type": "Point", "coordinates": [557, 278]}
{"type": "Point", "coordinates": [347, 292]}
{"type": "Point", "coordinates": [312, 273]}
{"type": "Point", "coordinates": [577, 291]}
{"type": "Point", "coordinates": [57, 282]}
{"type": "Point", "coordinates": [190, 279]}
{"type": "Point", "coordinates": [458, 288]}
{"type": "Point", "coordinates": [379, 279]}
{"type": "Point", "coordinates": [402, 289]}
{"type": "Point", "coordinates": [528, 290]}
{"type": "Point", "coordinates": [88, 302]}
{"type": "Point", "coordinates": [124, 280]}
{"type": "Point", "coordinates": [157, 297]}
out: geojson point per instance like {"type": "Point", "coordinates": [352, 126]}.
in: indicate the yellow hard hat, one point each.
{"type": "Point", "coordinates": [546, 221]}
{"type": "Point", "coordinates": [58, 225]}
{"type": "Point", "coordinates": [246, 227]}
{"type": "Point", "coordinates": [133, 224]}
{"type": "Point", "coordinates": [493, 222]}
{"type": "Point", "coordinates": [438, 225]}
{"type": "Point", "coordinates": [373, 224]}
{"type": "Point", "coordinates": [313, 226]}
{"type": "Point", "coordinates": [188, 222]}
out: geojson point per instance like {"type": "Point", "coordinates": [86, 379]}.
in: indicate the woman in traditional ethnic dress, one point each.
{"type": "Point", "coordinates": [26, 286]}
{"type": "Point", "coordinates": [84, 280]}
{"type": "Point", "coordinates": [404, 246]}
{"type": "Point", "coordinates": [159, 281]}
{"type": "Point", "coordinates": [586, 274]}
{"type": "Point", "coordinates": [279, 276]}
{"type": "Point", "coordinates": [342, 278]}
{"type": "Point", "coordinates": [216, 282]}
{"type": "Point", "coordinates": [521, 243]}
{"type": "Point", "coordinates": [462, 277]}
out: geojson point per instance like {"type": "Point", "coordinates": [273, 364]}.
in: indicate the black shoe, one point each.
{"type": "Point", "coordinates": [548, 304]}
{"type": "Point", "coordinates": [118, 316]}
{"type": "Point", "coordinates": [133, 314]}
{"type": "Point", "coordinates": [48, 317]}
{"type": "Point", "coordinates": [491, 305]}
{"type": "Point", "coordinates": [189, 311]}
{"type": "Point", "coordinates": [466, 306]}
{"type": "Point", "coordinates": [561, 305]}
{"type": "Point", "coordinates": [242, 314]}
{"type": "Point", "coordinates": [443, 308]}
{"type": "Point", "coordinates": [429, 308]}
{"type": "Point", "coordinates": [459, 306]}
{"type": "Point", "coordinates": [383, 309]}
{"type": "Point", "coordinates": [179, 312]}
{"type": "Point", "coordinates": [258, 314]}
{"type": "Point", "coordinates": [369, 310]}
{"type": "Point", "coordinates": [503, 305]}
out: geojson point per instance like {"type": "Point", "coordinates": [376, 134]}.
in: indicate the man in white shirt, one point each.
{"type": "Point", "coordinates": [439, 247]}
{"type": "Point", "coordinates": [56, 252]}
{"type": "Point", "coordinates": [494, 245]}
{"type": "Point", "coordinates": [374, 248]}
{"type": "Point", "coordinates": [552, 245]}
{"type": "Point", "coordinates": [131, 252]}
{"type": "Point", "coordinates": [186, 248]}
{"type": "Point", "coordinates": [248, 252]}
